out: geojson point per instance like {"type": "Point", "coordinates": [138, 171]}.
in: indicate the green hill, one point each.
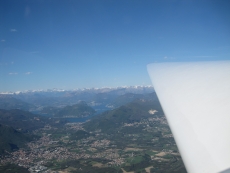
{"type": "Point", "coordinates": [110, 121]}
{"type": "Point", "coordinates": [11, 139]}
{"type": "Point", "coordinates": [124, 99]}
{"type": "Point", "coordinates": [78, 110]}
{"type": "Point", "coordinates": [24, 120]}
{"type": "Point", "coordinates": [9, 102]}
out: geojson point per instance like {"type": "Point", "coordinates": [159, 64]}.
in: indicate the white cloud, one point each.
{"type": "Point", "coordinates": [28, 73]}
{"type": "Point", "coordinates": [168, 58]}
{"type": "Point", "coordinates": [13, 73]}
{"type": "Point", "coordinates": [13, 30]}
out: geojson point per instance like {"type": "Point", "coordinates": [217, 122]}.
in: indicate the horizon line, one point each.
{"type": "Point", "coordinates": [76, 89]}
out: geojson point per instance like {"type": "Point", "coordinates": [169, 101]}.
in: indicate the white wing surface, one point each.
{"type": "Point", "coordinates": [195, 97]}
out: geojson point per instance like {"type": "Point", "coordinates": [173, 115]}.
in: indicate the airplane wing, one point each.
{"type": "Point", "coordinates": [195, 97]}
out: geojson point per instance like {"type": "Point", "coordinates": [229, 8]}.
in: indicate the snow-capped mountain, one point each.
{"type": "Point", "coordinates": [98, 98]}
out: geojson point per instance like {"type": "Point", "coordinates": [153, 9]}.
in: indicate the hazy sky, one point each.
{"type": "Point", "coordinates": [81, 43]}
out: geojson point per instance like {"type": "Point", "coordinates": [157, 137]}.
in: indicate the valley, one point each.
{"type": "Point", "coordinates": [133, 137]}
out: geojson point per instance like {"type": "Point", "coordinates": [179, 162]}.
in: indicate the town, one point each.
{"type": "Point", "coordinates": [98, 149]}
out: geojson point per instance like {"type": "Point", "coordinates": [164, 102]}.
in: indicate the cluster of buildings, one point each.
{"type": "Point", "coordinates": [44, 150]}
{"type": "Point", "coordinates": [39, 152]}
{"type": "Point", "coordinates": [100, 143]}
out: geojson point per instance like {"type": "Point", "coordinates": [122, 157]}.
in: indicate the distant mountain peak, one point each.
{"type": "Point", "coordinates": [102, 89]}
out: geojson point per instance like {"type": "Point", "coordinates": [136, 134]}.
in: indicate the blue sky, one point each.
{"type": "Point", "coordinates": [86, 43]}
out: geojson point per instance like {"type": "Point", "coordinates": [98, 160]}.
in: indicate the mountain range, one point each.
{"type": "Point", "coordinates": [9, 102]}
{"type": "Point", "coordinates": [25, 121]}
{"type": "Point", "coordinates": [100, 99]}
{"type": "Point", "coordinates": [110, 121]}
{"type": "Point", "coordinates": [77, 110]}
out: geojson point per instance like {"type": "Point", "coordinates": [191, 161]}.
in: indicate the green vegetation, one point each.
{"type": "Point", "coordinates": [80, 134]}
{"type": "Point", "coordinates": [12, 168]}
{"type": "Point", "coordinates": [9, 102]}
{"type": "Point", "coordinates": [78, 110]}
{"type": "Point", "coordinates": [11, 139]}
{"type": "Point", "coordinates": [134, 137]}
{"type": "Point", "coordinates": [25, 121]}
{"type": "Point", "coordinates": [138, 163]}
{"type": "Point", "coordinates": [110, 121]}
{"type": "Point", "coordinates": [126, 98]}
{"type": "Point", "coordinates": [75, 166]}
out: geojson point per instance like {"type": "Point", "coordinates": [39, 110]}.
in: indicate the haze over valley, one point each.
{"type": "Point", "coordinates": [75, 93]}
{"type": "Point", "coordinates": [95, 130]}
